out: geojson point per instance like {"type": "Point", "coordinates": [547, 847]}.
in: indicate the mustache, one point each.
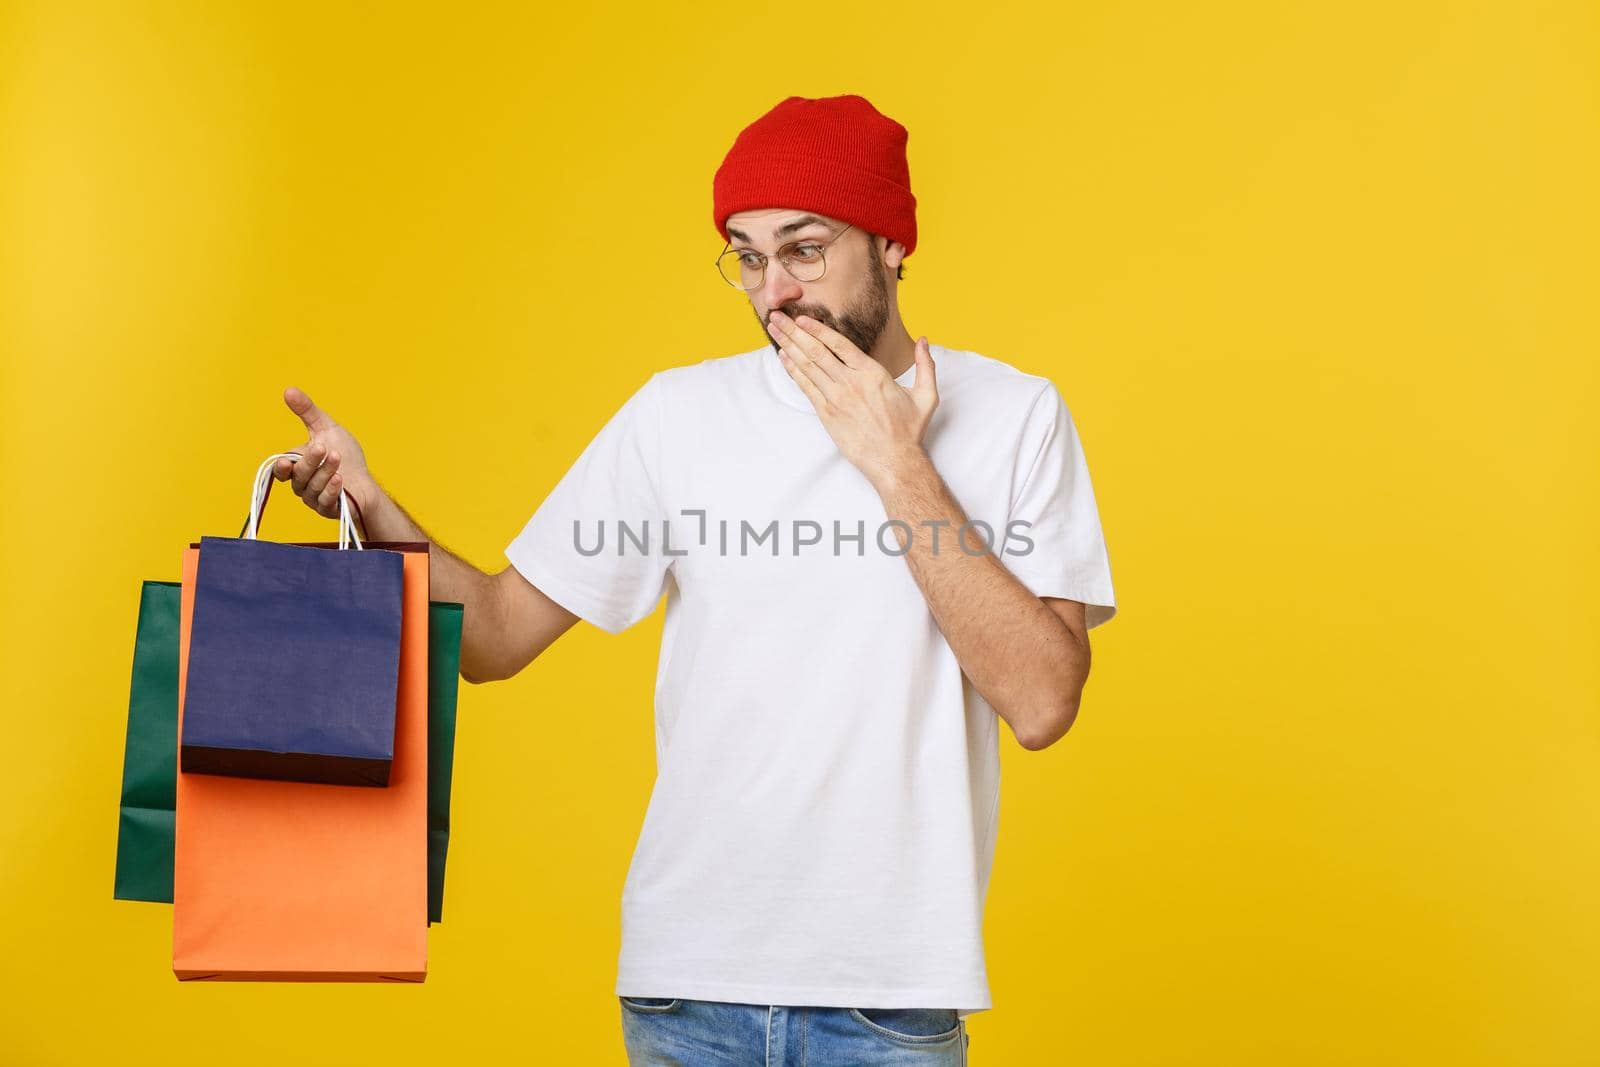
{"type": "Point", "coordinates": [820, 314]}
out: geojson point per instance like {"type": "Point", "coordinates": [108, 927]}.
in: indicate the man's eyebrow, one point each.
{"type": "Point", "coordinates": [786, 229]}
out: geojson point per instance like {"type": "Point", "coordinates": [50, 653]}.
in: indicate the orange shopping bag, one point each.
{"type": "Point", "coordinates": [305, 881]}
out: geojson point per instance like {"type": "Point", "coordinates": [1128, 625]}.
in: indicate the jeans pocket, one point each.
{"type": "Point", "coordinates": [651, 1005]}
{"type": "Point", "coordinates": [910, 1026]}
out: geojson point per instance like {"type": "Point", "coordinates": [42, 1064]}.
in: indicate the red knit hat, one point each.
{"type": "Point", "coordinates": [835, 155]}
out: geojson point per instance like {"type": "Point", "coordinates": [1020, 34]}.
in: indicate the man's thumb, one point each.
{"type": "Point", "coordinates": [927, 384]}
{"type": "Point", "coordinates": [314, 417]}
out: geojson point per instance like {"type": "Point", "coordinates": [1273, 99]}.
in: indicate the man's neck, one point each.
{"type": "Point", "coordinates": [896, 350]}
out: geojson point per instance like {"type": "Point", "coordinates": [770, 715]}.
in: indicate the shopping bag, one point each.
{"type": "Point", "coordinates": [308, 881]}
{"type": "Point", "coordinates": [269, 616]}
{"type": "Point", "coordinates": [150, 762]}
{"type": "Point", "coordinates": [444, 675]}
{"type": "Point", "coordinates": [149, 759]}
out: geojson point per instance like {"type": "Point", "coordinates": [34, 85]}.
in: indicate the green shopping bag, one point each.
{"type": "Point", "coordinates": [444, 673]}
{"type": "Point", "coordinates": [150, 756]}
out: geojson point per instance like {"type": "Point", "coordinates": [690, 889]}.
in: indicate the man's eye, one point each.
{"type": "Point", "coordinates": [806, 253]}
{"type": "Point", "coordinates": [750, 260]}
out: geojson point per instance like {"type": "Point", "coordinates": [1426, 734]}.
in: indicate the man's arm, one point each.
{"type": "Point", "coordinates": [506, 622]}
{"type": "Point", "coordinates": [1027, 655]}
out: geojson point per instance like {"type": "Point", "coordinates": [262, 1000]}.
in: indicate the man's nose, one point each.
{"type": "Point", "coordinates": [779, 287]}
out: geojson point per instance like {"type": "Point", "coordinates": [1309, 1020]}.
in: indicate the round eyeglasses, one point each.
{"type": "Point", "coordinates": [806, 260]}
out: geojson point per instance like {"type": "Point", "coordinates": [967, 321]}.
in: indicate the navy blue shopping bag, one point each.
{"type": "Point", "coordinates": [294, 660]}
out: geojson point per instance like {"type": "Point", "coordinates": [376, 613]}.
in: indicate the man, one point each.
{"type": "Point", "coordinates": [873, 549]}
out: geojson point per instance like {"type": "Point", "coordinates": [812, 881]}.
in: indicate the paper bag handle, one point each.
{"type": "Point", "coordinates": [263, 488]}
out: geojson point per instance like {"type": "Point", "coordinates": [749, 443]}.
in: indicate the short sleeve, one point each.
{"type": "Point", "coordinates": [1053, 542]}
{"type": "Point", "coordinates": [591, 546]}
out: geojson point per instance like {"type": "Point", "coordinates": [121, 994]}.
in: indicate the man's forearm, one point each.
{"type": "Point", "coordinates": [1016, 651]}
{"type": "Point", "coordinates": [451, 579]}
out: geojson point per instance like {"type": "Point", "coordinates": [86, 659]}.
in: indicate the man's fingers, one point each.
{"type": "Point", "coordinates": [807, 386]}
{"type": "Point", "coordinates": [833, 343]}
{"type": "Point", "coordinates": [299, 403]}
{"type": "Point", "coordinates": [328, 499]}
{"type": "Point", "coordinates": [319, 480]}
{"type": "Point", "coordinates": [305, 467]}
{"type": "Point", "coordinates": [284, 468]}
{"type": "Point", "coordinates": [804, 348]}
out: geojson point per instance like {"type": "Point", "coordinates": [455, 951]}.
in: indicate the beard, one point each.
{"type": "Point", "coordinates": [862, 321]}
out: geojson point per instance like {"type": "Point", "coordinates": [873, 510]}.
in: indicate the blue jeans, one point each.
{"type": "Point", "coordinates": [678, 1032]}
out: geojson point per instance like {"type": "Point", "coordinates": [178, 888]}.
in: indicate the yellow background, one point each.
{"type": "Point", "coordinates": [1317, 282]}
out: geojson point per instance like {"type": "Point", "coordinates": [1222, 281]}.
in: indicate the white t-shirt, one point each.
{"type": "Point", "coordinates": [822, 824]}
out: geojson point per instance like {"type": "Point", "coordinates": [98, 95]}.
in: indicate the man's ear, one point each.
{"type": "Point", "coordinates": [893, 253]}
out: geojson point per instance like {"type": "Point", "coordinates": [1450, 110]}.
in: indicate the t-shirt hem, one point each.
{"type": "Point", "coordinates": [1100, 606]}
{"type": "Point", "coordinates": [966, 1001]}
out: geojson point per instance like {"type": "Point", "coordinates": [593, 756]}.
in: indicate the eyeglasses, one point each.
{"type": "Point", "coordinates": [746, 269]}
